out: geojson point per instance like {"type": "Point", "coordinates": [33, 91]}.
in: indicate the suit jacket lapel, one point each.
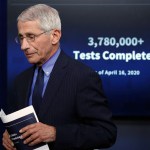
{"type": "Point", "coordinates": [27, 87]}
{"type": "Point", "coordinates": [54, 82]}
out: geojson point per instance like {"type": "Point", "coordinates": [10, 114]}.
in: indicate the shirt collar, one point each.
{"type": "Point", "coordinates": [48, 66]}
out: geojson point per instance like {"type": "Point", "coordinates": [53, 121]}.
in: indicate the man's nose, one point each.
{"type": "Point", "coordinates": [24, 44]}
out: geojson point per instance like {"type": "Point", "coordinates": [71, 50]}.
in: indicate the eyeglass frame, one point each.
{"type": "Point", "coordinates": [28, 37]}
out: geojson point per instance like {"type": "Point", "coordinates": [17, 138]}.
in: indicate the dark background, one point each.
{"type": "Point", "coordinates": [3, 60]}
{"type": "Point", "coordinates": [131, 108]}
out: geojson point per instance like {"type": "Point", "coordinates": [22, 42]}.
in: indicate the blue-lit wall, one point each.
{"type": "Point", "coordinates": [111, 29]}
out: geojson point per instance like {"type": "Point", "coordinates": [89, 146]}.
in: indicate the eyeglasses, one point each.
{"type": "Point", "coordinates": [29, 37]}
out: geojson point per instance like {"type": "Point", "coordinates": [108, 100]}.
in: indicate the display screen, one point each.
{"type": "Point", "coordinates": [113, 38]}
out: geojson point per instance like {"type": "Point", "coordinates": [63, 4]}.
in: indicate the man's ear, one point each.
{"type": "Point", "coordinates": [56, 35]}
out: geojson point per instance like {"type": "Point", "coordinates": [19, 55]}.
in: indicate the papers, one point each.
{"type": "Point", "coordinates": [17, 120]}
{"type": "Point", "coordinates": [2, 113]}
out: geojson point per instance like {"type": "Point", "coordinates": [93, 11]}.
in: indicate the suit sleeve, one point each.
{"type": "Point", "coordinates": [95, 128]}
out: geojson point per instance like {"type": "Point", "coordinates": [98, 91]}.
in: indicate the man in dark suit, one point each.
{"type": "Point", "coordinates": [73, 111]}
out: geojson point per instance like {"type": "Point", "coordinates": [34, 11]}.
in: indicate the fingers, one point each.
{"type": "Point", "coordinates": [35, 141]}
{"type": "Point", "coordinates": [6, 141]}
{"type": "Point", "coordinates": [25, 129]}
{"type": "Point", "coordinates": [37, 133]}
{"type": "Point", "coordinates": [28, 131]}
{"type": "Point", "coordinates": [30, 134]}
{"type": "Point", "coordinates": [32, 139]}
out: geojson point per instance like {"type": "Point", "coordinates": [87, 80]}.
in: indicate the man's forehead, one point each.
{"type": "Point", "coordinates": [28, 27]}
{"type": "Point", "coordinates": [26, 23]}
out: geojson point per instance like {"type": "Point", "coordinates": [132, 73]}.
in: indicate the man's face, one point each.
{"type": "Point", "coordinates": [42, 48]}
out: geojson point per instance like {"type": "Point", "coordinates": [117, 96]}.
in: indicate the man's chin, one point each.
{"type": "Point", "coordinates": [31, 61]}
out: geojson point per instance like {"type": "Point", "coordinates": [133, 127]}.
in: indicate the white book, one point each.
{"type": "Point", "coordinates": [17, 120]}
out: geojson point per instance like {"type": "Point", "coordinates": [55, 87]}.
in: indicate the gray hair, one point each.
{"type": "Point", "coordinates": [47, 16]}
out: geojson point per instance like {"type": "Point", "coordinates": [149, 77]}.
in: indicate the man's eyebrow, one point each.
{"type": "Point", "coordinates": [19, 34]}
{"type": "Point", "coordinates": [28, 33]}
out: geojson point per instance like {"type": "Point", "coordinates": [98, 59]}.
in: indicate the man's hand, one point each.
{"type": "Point", "coordinates": [37, 133]}
{"type": "Point", "coordinates": [6, 141]}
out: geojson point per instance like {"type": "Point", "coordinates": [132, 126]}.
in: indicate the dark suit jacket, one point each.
{"type": "Point", "coordinates": [73, 102]}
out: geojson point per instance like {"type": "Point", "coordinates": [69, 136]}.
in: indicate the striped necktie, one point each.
{"type": "Point", "coordinates": [38, 89]}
